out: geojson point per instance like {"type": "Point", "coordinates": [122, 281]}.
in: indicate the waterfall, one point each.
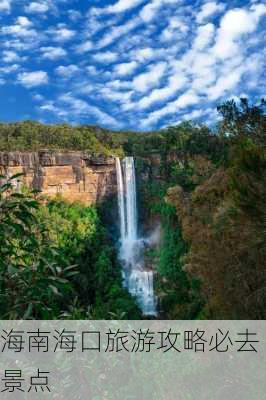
{"type": "Point", "coordinates": [137, 279]}
{"type": "Point", "coordinates": [121, 199]}
{"type": "Point", "coordinates": [131, 202]}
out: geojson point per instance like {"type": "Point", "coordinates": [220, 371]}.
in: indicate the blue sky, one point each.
{"type": "Point", "coordinates": [128, 64]}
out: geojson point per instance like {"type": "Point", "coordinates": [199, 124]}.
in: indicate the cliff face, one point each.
{"type": "Point", "coordinates": [77, 176]}
{"type": "Point", "coordinates": [152, 168]}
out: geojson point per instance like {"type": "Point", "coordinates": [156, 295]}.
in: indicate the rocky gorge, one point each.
{"type": "Point", "coordinates": [200, 195]}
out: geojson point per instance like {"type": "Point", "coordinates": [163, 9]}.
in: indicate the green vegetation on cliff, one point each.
{"type": "Point", "coordinates": [56, 262]}
{"type": "Point", "coordinates": [211, 262]}
{"type": "Point", "coordinates": [206, 188]}
{"type": "Point", "coordinates": [223, 219]}
{"type": "Point", "coordinates": [33, 136]}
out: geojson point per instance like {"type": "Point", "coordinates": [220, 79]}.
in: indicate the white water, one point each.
{"type": "Point", "coordinates": [121, 200]}
{"type": "Point", "coordinates": [137, 280]}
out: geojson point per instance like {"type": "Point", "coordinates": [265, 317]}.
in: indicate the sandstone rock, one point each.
{"type": "Point", "coordinates": [76, 176]}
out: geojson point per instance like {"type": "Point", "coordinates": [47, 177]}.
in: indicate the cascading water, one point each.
{"type": "Point", "coordinates": [137, 280]}
{"type": "Point", "coordinates": [121, 200]}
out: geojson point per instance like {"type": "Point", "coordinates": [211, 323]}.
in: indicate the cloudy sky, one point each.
{"type": "Point", "coordinates": [128, 64]}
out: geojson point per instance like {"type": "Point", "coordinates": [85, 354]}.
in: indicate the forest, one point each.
{"type": "Point", "coordinates": [59, 261]}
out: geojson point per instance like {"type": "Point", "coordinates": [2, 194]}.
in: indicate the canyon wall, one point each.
{"type": "Point", "coordinates": [76, 176]}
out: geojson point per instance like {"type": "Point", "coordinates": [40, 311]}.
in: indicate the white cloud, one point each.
{"type": "Point", "coordinates": [10, 56]}
{"type": "Point", "coordinates": [237, 22]}
{"type": "Point", "coordinates": [24, 21]}
{"type": "Point", "coordinates": [122, 6]}
{"type": "Point", "coordinates": [225, 83]}
{"type": "Point", "coordinates": [234, 24]}
{"type": "Point", "coordinates": [38, 97]}
{"type": "Point", "coordinates": [205, 35]}
{"type": "Point", "coordinates": [22, 28]}
{"type": "Point", "coordinates": [62, 34]}
{"type": "Point", "coordinates": [49, 106]}
{"type": "Point", "coordinates": [81, 108]}
{"type": "Point", "coordinates": [8, 69]}
{"type": "Point", "coordinates": [194, 115]}
{"type": "Point", "coordinates": [209, 9]}
{"type": "Point", "coordinates": [37, 7]}
{"type": "Point", "coordinates": [118, 84]}
{"type": "Point", "coordinates": [33, 79]}
{"type": "Point", "coordinates": [5, 5]}
{"type": "Point", "coordinates": [175, 83]}
{"type": "Point", "coordinates": [158, 63]}
{"type": "Point", "coordinates": [125, 68]}
{"type": "Point", "coordinates": [92, 70]}
{"type": "Point", "coordinates": [149, 79]}
{"type": "Point", "coordinates": [105, 57]}
{"type": "Point", "coordinates": [118, 96]}
{"type": "Point", "coordinates": [84, 47]}
{"type": "Point", "coordinates": [74, 15]}
{"type": "Point", "coordinates": [258, 10]}
{"type": "Point", "coordinates": [150, 11]}
{"type": "Point", "coordinates": [116, 32]}
{"type": "Point", "coordinates": [175, 29]}
{"type": "Point", "coordinates": [67, 71]}
{"type": "Point", "coordinates": [144, 54]}
{"type": "Point", "coordinates": [186, 99]}
{"type": "Point", "coordinates": [53, 53]}
{"type": "Point", "coordinates": [229, 76]}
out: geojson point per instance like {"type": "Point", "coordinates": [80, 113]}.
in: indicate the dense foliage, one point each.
{"type": "Point", "coordinates": [211, 258]}
{"type": "Point", "coordinates": [56, 262]}
{"type": "Point", "coordinates": [205, 189]}
{"type": "Point", "coordinates": [33, 136]}
{"type": "Point", "coordinates": [180, 296]}
{"type": "Point", "coordinates": [224, 219]}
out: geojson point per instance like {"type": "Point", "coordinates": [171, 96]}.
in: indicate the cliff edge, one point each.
{"type": "Point", "coordinates": [76, 176]}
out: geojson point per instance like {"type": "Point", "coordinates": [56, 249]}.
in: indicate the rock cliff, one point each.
{"type": "Point", "coordinates": [77, 176]}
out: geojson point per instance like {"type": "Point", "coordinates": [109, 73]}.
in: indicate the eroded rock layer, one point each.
{"type": "Point", "coordinates": [76, 176]}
